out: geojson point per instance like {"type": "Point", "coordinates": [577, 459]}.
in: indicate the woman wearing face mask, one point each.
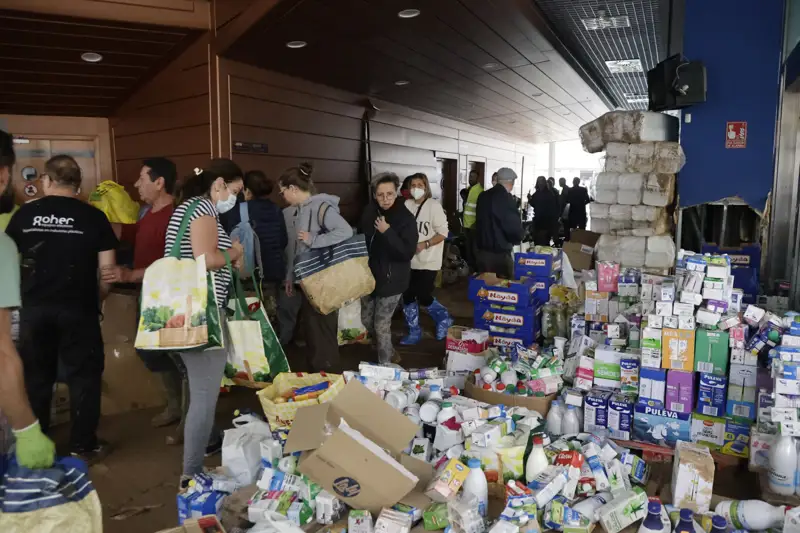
{"type": "Point", "coordinates": [213, 190]}
{"type": "Point", "coordinates": [432, 229]}
{"type": "Point", "coordinates": [392, 241]}
{"type": "Point", "coordinates": [309, 227]}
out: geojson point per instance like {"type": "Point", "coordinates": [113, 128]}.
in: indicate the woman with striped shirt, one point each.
{"type": "Point", "coordinates": [214, 191]}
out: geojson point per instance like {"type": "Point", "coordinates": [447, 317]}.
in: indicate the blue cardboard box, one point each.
{"type": "Point", "coordinates": [486, 289]}
{"type": "Point", "coordinates": [541, 288]}
{"type": "Point", "coordinates": [531, 264]}
{"type": "Point", "coordinates": [737, 439]}
{"type": "Point", "coordinates": [746, 278]}
{"type": "Point", "coordinates": [506, 341]}
{"type": "Point", "coordinates": [711, 394]}
{"type": "Point", "coordinates": [509, 320]}
{"type": "Point", "coordinates": [746, 255]}
{"type": "Point", "coordinates": [654, 424]}
{"type": "Point", "coordinates": [198, 504]}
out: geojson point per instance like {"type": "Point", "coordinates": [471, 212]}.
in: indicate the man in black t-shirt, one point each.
{"type": "Point", "coordinates": [63, 242]}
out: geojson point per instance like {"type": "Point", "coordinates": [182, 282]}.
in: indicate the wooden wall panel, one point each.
{"type": "Point", "coordinates": [168, 117]}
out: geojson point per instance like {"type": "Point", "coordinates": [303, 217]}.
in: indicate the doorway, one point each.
{"type": "Point", "coordinates": [34, 151]}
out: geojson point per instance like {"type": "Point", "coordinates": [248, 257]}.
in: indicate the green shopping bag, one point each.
{"type": "Point", "coordinates": [179, 308]}
{"type": "Point", "coordinates": [256, 354]}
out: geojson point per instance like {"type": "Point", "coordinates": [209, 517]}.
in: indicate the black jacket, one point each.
{"type": "Point", "coordinates": [267, 221]}
{"type": "Point", "coordinates": [546, 207]}
{"type": "Point", "coordinates": [390, 253]}
{"type": "Point", "coordinates": [578, 198]}
{"type": "Point", "coordinates": [498, 223]}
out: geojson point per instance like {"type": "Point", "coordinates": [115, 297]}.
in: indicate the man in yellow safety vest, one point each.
{"type": "Point", "coordinates": [470, 213]}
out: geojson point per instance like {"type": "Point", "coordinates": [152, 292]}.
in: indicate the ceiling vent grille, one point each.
{"type": "Point", "coordinates": [605, 23]}
{"type": "Point", "coordinates": [624, 66]}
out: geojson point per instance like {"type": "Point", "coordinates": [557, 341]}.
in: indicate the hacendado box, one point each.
{"type": "Point", "coordinates": [531, 264]}
{"type": "Point", "coordinates": [357, 460]}
{"type": "Point", "coordinates": [540, 404]}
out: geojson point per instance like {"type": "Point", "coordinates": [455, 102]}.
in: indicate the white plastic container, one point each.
{"type": "Point", "coordinates": [476, 485]}
{"type": "Point", "coordinates": [570, 424]}
{"type": "Point", "coordinates": [509, 377]}
{"type": "Point", "coordinates": [589, 506]}
{"type": "Point", "coordinates": [782, 466]}
{"type": "Point", "coordinates": [429, 410]}
{"type": "Point", "coordinates": [752, 515]}
{"type": "Point", "coordinates": [554, 418]}
{"type": "Point", "coordinates": [436, 393]}
{"type": "Point", "coordinates": [397, 399]}
{"type": "Point", "coordinates": [537, 460]}
{"type": "Point", "coordinates": [488, 375]}
{"type": "Point", "coordinates": [447, 412]}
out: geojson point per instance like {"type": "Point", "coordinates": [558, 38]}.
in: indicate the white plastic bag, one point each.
{"type": "Point", "coordinates": [599, 225]}
{"type": "Point", "coordinates": [669, 158]}
{"type": "Point", "coordinates": [641, 157]}
{"type": "Point", "coordinates": [607, 181]}
{"type": "Point", "coordinates": [660, 252]}
{"type": "Point", "coordinates": [630, 181]}
{"type": "Point", "coordinates": [659, 189]}
{"type": "Point", "coordinates": [632, 251]}
{"type": "Point", "coordinates": [605, 196]}
{"type": "Point", "coordinates": [620, 212]}
{"type": "Point", "coordinates": [241, 452]}
{"type": "Point", "coordinates": [615, 149]}
{"type": "Point", "coordinates": [629, 196]}
{"type": "Point", "coordinates": [597, 210]}
{"type": "Point", "coordinates": [616, 163]}
{"type": "Point", "coordinates": [591, 135]}
{"type": "Point", "coordinates": [607, 248]}
{"type": "Point", "coordinates": [351, 330]}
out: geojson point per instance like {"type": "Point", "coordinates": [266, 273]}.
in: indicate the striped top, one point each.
{"type": "Point", "coordinates": [222, 277]}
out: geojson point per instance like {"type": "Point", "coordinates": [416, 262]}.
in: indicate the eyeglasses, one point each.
{"type": "Point", "coordinates": [386, 195]}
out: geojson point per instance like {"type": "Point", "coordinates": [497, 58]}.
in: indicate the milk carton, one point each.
{"type": "Point", "coordinates": [629, 374]}
{"type": "Point", "coordinates": [620, 416]}
{"type": "Point", "coordinates": [651, 347]}
{"type": "Point", "coordinates": [607, 367]}
{"type": "Point", "coordinates": [653, 384]}
{"type": "Point", "coordinates": [680, 391]}
{"type": "Point", "coordinates": [572, 461]}
{"type": "Point", "coordinates": [547, 484]}
{"type": "Point", "coordinates": [624, 510]}
{"type": "Point", "coordinates": [595, 410]}
{"type": "Point", "coordinates": [711, 394]}
{"type": "Point", "coordinates": [591, 452]}
{"type": "Point", "coordinates": [742, 391]}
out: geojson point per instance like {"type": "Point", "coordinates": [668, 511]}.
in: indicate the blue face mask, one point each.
{"type": "Point", "coordinates": [223, 206]}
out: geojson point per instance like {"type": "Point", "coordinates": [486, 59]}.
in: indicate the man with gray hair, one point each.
{"type": "Point", "coordinates": [499, 226]}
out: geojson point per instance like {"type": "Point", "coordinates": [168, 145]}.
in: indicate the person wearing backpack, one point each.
{"type": "Point", "coordinates": [312, 221]}
{"type": "Point", "coordinates": [258, 225]}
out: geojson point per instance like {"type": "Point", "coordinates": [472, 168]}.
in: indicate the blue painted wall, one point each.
{"type": "Point", "coordinates": [740, 42]}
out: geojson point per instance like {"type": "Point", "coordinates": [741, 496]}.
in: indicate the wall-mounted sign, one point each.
{"type": "Point", "coordinates": [736, 135]}
{"type": "Point", "coordinates": [242, 147]}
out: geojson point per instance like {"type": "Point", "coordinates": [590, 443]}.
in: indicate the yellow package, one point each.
{"type": "Point", "coordinates": [112, 199]}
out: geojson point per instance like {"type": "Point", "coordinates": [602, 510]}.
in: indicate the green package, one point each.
{"type": "Point", "coordinates": [711, 352]}
{"type": "Point", "coordinates": [435, 517]}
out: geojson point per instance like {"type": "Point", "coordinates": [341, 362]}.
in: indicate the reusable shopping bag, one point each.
{"type": "Point", "coordinates": [280, 413]}
{"type": "Point", "coordinates": [351, 328]}
{"type": "Point", "coordinates": [60, 499]}
{"type": "Point", "coordinates": [179, 309]}
{"type": "Point", "coordinates": [256, 353]}
{"type": "Point", "coordinates": [334, 276]}
{"type": "Point", "coordinates": [112, 199]}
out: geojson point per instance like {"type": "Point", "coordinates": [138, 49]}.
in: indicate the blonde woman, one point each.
{"type": "Point", "coordinates": [427, 262]}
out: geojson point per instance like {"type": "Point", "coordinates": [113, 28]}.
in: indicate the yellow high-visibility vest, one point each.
{"type": "Point", "coordinates": [471, 205]}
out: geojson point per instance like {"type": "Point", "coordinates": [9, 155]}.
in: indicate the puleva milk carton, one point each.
{"type": "Point", "coordinates": [595, 410]}
{"type": "Point", "coordinates": [620, 416]}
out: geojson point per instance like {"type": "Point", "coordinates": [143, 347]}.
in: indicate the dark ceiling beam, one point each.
{"type": "Point", "coordinates": [196, 15]}
{"type": "Point", "coordinates": [233, 30]}
{"type": "Point", "coordinates": [672, 17]}
{"type": "Point", "coordinates": [534, 15]}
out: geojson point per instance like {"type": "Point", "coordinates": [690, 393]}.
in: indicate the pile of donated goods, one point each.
{"type": "Point", "coordinates": [632, 194]}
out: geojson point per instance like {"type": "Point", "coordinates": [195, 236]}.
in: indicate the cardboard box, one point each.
{"type": "Point", "coordinates": [620, 416]}
{"type": "Point", "coordinates": [711, 394]}
{"type": "Point", "coordinates": [531, 264]}
{"type": "Point", "coordinates": [737, 439]}
{"type": "Point", "coordinates": [742, 392]}
{"type": "Point", "coordinates": [653, 384]}
{"type": "Point", "coordinates": [489, 289]}
{"type": "Point", "coordinates": [523, 321]}
{"type": "Point", "coordinates": [456, 343]}
{"type": "Point", "coordinates": [692, 477]}
{"type": "Point", "coordinates": [680, 391]}
{"type": "Point", "coordinates": [205, 524]}
{"type": "Point", "coordinates": [677, 349]}
{"type": "Point", "coordinates": [539, 404]}
{"type": "Point", "coordinates": [708, 431]}
{"type": "Point", "coordinates": [580, 248]}
{"type": "Point", "coordinates": [351, 463]}
{"type": "Point", "coordinates": [595, 410]}
{"type": "Point", "coordinates": [607, 372]}
{"type": "Point", "coordinates": [656, 425]}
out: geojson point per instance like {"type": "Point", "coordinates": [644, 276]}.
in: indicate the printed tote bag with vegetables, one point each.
{"type": "Point", "coordinates": [334, 276]}
{"type": "Point", "coordinates": [179, 310]}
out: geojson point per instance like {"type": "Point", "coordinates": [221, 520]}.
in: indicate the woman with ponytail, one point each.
{"type": "Point", "coordinates": [309, 227]}
{"type": "Point", "coordinates": [213, 189]}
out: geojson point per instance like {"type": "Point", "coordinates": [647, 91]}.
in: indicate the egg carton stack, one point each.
{"type": "Point", "coordinates": [637, 186]}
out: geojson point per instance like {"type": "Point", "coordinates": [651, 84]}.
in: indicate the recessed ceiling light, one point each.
{"type": "Point", "coordinates": [408, 13]}
{"type": "Point", "coordinates": [296, 44]}
{"type": "Point", "coordinates": [91, 57]}
{"type": "Point", "coordinates": [565, 113]}
{"type": "Point", "coordinates": [401, 83]}
{"type": "Point", "coordinates": [604, 22]}
{"type": "Point", "coordinates": [624, 66]}
{"type": "Point", "coordinates": [536, 94]}
{"type": "Point", "coordinates": [490, 65]}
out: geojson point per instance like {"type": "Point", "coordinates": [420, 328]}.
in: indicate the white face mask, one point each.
{"type": "Point", "coordinates": [417, 193]}
{"type": "Point", "coordinates": [223, 206]}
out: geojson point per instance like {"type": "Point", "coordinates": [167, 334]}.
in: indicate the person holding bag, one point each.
{"type": "Point", "coordinates": [203, 196]}
{"type": "Point", "coordinates": [312, 222]}
{"type": "Point", "coordinates": [432, 229]}
{"type": "Point", "coordinates": [392, 241]}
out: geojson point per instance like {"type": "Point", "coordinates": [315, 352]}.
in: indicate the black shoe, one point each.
{"type": "Point", "coordinates": [92, 455]}
{"type": "Point", "coordinates": [214, 448]}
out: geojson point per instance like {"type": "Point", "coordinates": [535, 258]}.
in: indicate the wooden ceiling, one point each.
{"type": "Point", "coordinates": [42, 73]}
{"type": "Point", "coordinates": [494, 63]}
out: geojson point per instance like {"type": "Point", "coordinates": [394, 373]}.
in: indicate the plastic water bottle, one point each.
{"type": "Point", "coordinates": [652, 523]}
{"type": "Point", "coordinates": [752, 515]}
{"type": "Point", "coordinates": [685, 523]}
{"type": "Point", "coordinates": [782, 466]}
{"type": "Point", "coordinates": [553, 424]}
{"type": "Point", "coordinates": [570, 423]}
{"type": "Point", "coordinates": [537, 460]}
{"type": "Point", "coordinates": [476, 485]}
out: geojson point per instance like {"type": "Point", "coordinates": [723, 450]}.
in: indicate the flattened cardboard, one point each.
{"type": "Point", "coordinates": [538, 404]}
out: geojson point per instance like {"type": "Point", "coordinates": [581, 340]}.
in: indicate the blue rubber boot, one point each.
{"type": "Point", "coordinates": [442, 318]}
{"type": "Point", "coordinates": [411, 312]}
